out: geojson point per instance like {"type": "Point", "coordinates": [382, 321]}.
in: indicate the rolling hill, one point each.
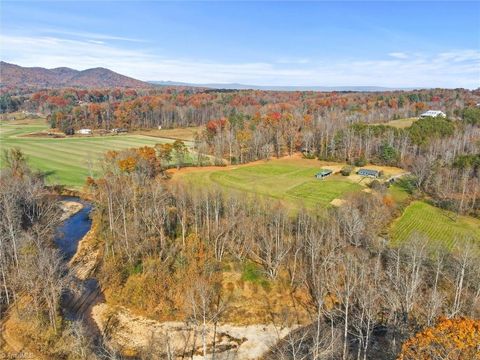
{"type": "Point", "coordinates": [17, 76]}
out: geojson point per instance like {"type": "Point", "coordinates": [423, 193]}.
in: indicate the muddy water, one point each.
{"type": "Point", "coordinates": [81, 295]}
{"type": "Point", "coordinates": [73, 229]}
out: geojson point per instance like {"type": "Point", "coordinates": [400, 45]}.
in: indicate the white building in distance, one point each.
{"type": "Point", "coordinates": [433, 113]}
{"type": "Point", "coordinates": [85, 131]}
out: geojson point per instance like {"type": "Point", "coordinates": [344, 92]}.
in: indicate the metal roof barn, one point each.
{"type": "Point", "coordinates": [323, 173]}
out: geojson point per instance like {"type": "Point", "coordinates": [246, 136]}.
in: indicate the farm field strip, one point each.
{"type": "Point", "coordinates": [437, 224]}
{"type": "Point", "coordinates": [74, 149]}
{"type": "Point", "coordinates": [68, 160]}
{"type": "Point", "coordinates": [279, 179]}
{"type": "Point", "coordinates": [308, 191]}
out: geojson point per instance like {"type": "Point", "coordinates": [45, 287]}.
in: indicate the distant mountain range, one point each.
{"type": "Point", "coordinates": [18, 76]}
{"type": "Point", "coordinates": [236, 86]}
{"type": "Point", "coordinates": [12, 75]}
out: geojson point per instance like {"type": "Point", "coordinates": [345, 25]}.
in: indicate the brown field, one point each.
{"type": "Point", "coordinates": [186, 134]}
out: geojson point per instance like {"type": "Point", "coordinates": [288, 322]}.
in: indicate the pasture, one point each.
{"type": "Point", "coordinates": [67, 161]}
{"type": "Point", "coordinates": [400, 123]}
{"type": "Point", "coordinates": [291, 180]}
{"type": "Point", "coordinates": [440, 226]}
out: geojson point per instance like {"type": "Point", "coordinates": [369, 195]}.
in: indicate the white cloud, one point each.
{"type": "Point", "coordinates": [454, 68]}
{"type": "Point", "coordinates": [286, 60]}
{"type": "Point", "coordinates": [86, 35]}
{"type": "Point", "coordinates": [398, 55]}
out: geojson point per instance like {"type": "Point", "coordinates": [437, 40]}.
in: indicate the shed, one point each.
{"type": "Point", "coordinates": [369, 173]}
{"type": "Point", "coordinates": [323, 173]}
{"type": "Point", "coordinates": [119, 130]}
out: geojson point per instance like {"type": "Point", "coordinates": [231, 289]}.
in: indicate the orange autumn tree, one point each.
{"type": "Point", "coordinates": [450, 339]}
{"type": "Point", "coordinates": [128, 164]}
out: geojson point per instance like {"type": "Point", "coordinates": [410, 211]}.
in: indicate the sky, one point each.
{"type": "Point", "coordinates": [379, 43]}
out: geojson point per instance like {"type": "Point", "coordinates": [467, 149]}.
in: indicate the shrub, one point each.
{"type": "Point", "coordinates": [361, 161]}
{"type": "Point", "coordinates": [308, 155]}
{"type": "Point", "coordinates": [346, 170]}
{"type": "Point", "coordinates": [252, 273]}
{"type": "Point", "coordinates": [377, 185]}
{"type": "Point", "coordinates": [407, 183]}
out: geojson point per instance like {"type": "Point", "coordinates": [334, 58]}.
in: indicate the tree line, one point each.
{"type": "Point", "coordinates": [244, 126]}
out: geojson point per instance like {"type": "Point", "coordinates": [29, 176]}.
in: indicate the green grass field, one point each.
{"type": "Point", "coordinates": [66, 161]}
{"type": "Point", "coordinates": [292, 182]}
{"type": "Point", "coordinates": [439, 225]}
{"type": "Point", "coordinates": [398, 194]}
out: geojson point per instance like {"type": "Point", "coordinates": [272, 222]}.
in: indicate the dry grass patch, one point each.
{"type": "Point", "coordinates": [255, 299]}
{"type": "Point", "coordinates": [338, 202]}
{"type": "Point", "coordinates": [400, 123]}
{"type": "Point", "coordinates": [185, 134]}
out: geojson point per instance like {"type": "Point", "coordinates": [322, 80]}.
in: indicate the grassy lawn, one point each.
{"type": "Point", "coordinates": [439, 225]}
{"type": "Point", "coordinates": [70, 160]}
{"type": "Point", "coordinates": [286, 180]}
{"type": "Point", "coordinates": [398, 194]}
{"type": "Point", "coordinates": [400, 123]}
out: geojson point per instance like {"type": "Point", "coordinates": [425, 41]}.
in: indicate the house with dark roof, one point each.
{"type": "Point", "coordinates": [369, 173]}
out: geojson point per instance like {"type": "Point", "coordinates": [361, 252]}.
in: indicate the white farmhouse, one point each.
{"type": "Point", "coordinates": [85, 131]}
{"type": "Point", "coordinates": [433, 113]}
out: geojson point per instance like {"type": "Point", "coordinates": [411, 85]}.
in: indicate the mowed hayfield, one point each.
{"type": "Point", "coordinates": [67, 161]}
{"type": "Point", "coordinates": [400, 123]}
{"type": "Point", "coordinates": [440, 226]}
{"type": "Point", "coordinates": [291, 180]}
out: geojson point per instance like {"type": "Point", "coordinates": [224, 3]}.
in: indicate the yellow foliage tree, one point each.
{"type": "Point", "coordinates": [450, 339]}
{"type": "Point", "coordinates": [128, 164]}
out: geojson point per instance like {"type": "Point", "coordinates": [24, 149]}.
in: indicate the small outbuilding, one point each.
{"type": "Point", "coordinates": [369, 172]}
{"type": "Point", "coordinates": [85, 132]}
{"type": "Point", "coordinates": [323, 173]}
{"type": "Point", "coordinates": [433, 113]}
{"type": "Point", "coordinates": [119, 130]}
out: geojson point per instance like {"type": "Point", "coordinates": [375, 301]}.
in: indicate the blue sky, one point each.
{"type": "Point", "coordinates": [381, 43]}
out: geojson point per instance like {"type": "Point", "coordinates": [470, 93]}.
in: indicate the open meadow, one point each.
{"type": "Point", "coordinates": [440, 226]}
{"type": "Point", "coordinates": [291, 180]}
{"type": "Point", "coordinates": [400, 123]}
{"type": "Point", "coordinates": [67, 161]}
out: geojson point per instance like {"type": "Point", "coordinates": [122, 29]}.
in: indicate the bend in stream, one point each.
{"type": "Point", "coordinates": [82, 295]}
{"type": "Point", "coordinates": [73, 229]}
